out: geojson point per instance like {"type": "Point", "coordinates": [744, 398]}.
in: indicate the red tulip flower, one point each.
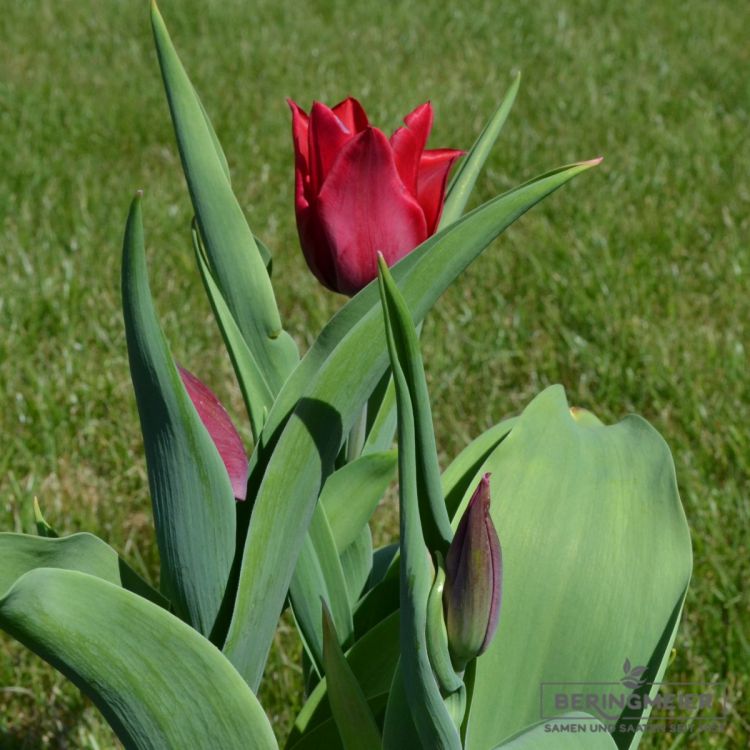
{"type": "Point", "coordinates": [358, 192]}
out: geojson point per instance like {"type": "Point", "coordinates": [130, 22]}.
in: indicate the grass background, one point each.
{"type": "Point", "coordinates": [629, 286]}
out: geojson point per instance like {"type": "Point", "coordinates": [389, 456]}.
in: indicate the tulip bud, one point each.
{"type": "Point", "coordinates": [473, 585]}
{"type": "Point", "coordinates": [358, 193]}
{"type": "Point", "coordinates": [221, 429]}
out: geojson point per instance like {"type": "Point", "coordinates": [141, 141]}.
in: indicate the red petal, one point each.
{"type": "Point", "coordinates": [420, 123]}
{"type": "Point", "coordinates": [364, 209]}
{"type": "Point", "coordinates": [434, 167]}
{"type": "Point", "coordinates": [407, 153]}
{"type": "Point", "coordinates": [326, 137]}
{"type": "Point", "coordinates": [219, 425]}
{"type": "Point", "coordinates": [300, 124]}
{"type": "Point", "coordinates": [350, 112]}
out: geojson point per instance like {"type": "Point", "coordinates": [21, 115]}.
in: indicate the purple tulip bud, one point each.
{"type": "Point", "coordinates": [473, 585]}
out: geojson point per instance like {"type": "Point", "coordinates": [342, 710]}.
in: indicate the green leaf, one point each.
{"type": "Point", "coordinates": [351, 494]}
{"type": "Point", "coordinates": [255, 390]}
{"type": "Point", "coordinates": [351, 713]}
{"type": "Point", "coordinates": [398, 726]}
{"type": "Point", "coordinates": [326, 394]}
{"type": "Point", "coordinates": [158, 683]}
{"type": "Point", "coordinates": [356, 562]}
{"type": "Point", "coordinates": [466, 175]}
{"type": "Point", "coordinates": [584, 733]}
{"type": "Point", "coordinates": [428, 712]}
{"type": "Point", "coordinates": [233, 254]}
{"type": "Point", "coordinates": [381, 416]}
{"type": "Point", "coordinates": [87, 553]}
{"type": "Point", "coordinates": [319, 575]}
{"type": "Point", "coordinates": [625, 734]}
{"type": "Point", "coordinates": [372, 660]}
{"type": "Point", "coordinates": [457, 478]}
{"type": "Point", "coordinates": [42, 527]}
{"type": "Point", "coordinates": [596, 560]}
{"type": "Point", "coordinates": [434, 520]}
{"type": "Point", "coordinates": [192, 497]}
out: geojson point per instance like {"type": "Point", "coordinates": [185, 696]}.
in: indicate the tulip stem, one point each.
{"type": "Point", "coordinates": [357, 436]}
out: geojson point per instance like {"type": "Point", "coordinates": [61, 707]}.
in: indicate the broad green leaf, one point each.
{"type": "Point", "coordinates": [630, 719]}
{"type": "Point", "coordinates": [596, 560]}
{"type": "Point", "coordinates": [458, 477]}
{"type": "Point", "coordinates": [469, 168]}
{"type": "Point", "coordinates": [351, 494]}
{"type": "Point", "coordinates": [425, 703]}
{"type": "Point", "coordinates": [21, 553]}
{"type": "Point", "coordinates": [255, 390]}
{"type": "Point", "coordinates": [571, 731]}
{"type": "Point", "coordinates": [326, 393]}
{"type": "Point", "coordinates": [319, 575]}
{"type": "Point", "coordinates": [192, 497]}
{"type": "Point", "coordinates": [356, 562]}
{"type": "Point", "coordinates": [351, 713]}
{"type": "Point", "coordinates": [372, 660]}
{"type": "Point", "coordinates": [158, 683]}
{"type": "Point", "coordinates": [233, 254]}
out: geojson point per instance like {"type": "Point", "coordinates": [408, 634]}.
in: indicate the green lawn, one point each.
{"type": "Point", "coordinates": [631, 286]}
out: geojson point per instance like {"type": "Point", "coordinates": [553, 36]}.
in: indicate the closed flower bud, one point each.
{"type": "Point", "coordinates": [473, 586]}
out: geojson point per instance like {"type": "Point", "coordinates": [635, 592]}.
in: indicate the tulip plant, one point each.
{"type": "Point", "coordinates": [551, 548]}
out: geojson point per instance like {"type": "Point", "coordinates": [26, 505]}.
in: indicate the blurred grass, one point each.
{"type": "Point", "coordinates": [630, 286]}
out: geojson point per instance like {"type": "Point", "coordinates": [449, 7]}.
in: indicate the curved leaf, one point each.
{"type": "Point", "coordinates": [255, 391]}
{"type": "Point", "coordinates": [372, 660]}
{"type": "Point", "coordinates": [466, 175]}
{"type": "Point", "coordinates": [351, 494]}
{"type": "Point", "coordinates": [425, 703]}
{"type": "Point", "coordinates": [574, 732]}
{"type": "Point", "coordinates": [597, 557]}
{"type": "Point", "coordinates": [233, 255]}
{"type": "Point", "coordinates": [193, 501]}
{"type": "Point", "coordinates": [319, 575]}
{"type": "Point", "coordinates": [356, 562]}
{"type": "Point", "coordinates": [457, 478]}
{"type": "Point", "coordinates": [351, 713]}
{"type": "Point", "coordinates": [138, 663]}
{"type": "Point", "coordinates": [85, 552]}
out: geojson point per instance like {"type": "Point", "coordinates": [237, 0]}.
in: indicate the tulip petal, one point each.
{"type": "Point", "coordinates": [407, 155]}
{"type": "Point", "coordinates": [351, 113]}
{"type": "Point", "coordinates": [300, 125]}
{"type": "Point", "coordinates": [327, 135]}
{"type": "Point", "coordinates": [364, 209]}
{"type": "Point", "coordinates": [434, 167]}
{"type": "Point", "coordinates": [419, 121]}
{"type": "Point", "coordinates": [219, 426]}
{"type": "Point", "coordinates": [312, 238]}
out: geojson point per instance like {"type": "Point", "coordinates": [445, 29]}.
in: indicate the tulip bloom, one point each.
{"type": "Point", "coordinates": [221, 429]}
{"type": "Point", "coordinates": [358, 193]}
{"type": "Point", "coordinates": [473, 580]}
